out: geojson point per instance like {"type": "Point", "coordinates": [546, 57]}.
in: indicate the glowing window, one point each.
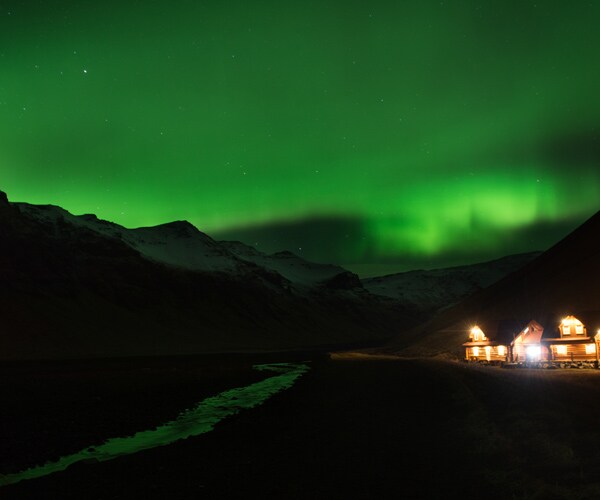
{"type": "Point", "coordinates": [561, 349]}
{"type": "Point", "coordinates": [488, 352]}
{"type": "Point", "coordinates": [501, 350]}
{"type": "Point", "coordinates": [566, 330]}
{"type": "Point", "coordinates": [590, 348]}
{"type": "Point", "coordinates": [579, 329]}
{"type": "Point", "coordinates": [476, 336]}
{"type": "Point", "coordinates": [475, 351]}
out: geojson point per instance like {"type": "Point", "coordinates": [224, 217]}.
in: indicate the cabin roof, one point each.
{"type": "Point", "coordinates": [482, 343]}
{"type": "Point", "coordinates": [504, 331]}
{"type": "Point", "coordinates": [590, 320]}
{"type": "Point", "coordinates": [580, 340]}
{"type": "Point", "coordinates": [531, 333]}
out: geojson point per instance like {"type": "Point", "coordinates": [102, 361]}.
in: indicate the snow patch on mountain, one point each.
{"type": "Point", "coordinates": [438, 288]}
{"type": "Point", "coordinates": [178, 243]}
{"type": "Point", "coordinates": [291, 266]}
{"type": "Point", "coordinates": [181, 244]}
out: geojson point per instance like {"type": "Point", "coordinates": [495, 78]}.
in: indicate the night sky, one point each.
{"type": "Point", "coordinates": [382, 136]}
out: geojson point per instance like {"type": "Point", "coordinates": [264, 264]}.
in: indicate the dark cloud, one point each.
{"type": "Point", "coordinates": [346, 241]}
{"type": "Point", "coordinates": [322, 239]}
{"type": "Point", "coordinates": [574, 148]}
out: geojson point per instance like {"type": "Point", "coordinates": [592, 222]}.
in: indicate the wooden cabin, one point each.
{"type": "Point", "coordinates": [529, 342]}
{"type": "Point", "coordinates": [481, 348]}
{"type": "Point", "coordinates": [571, 342]}
{"type": "Point", "coordinates": [527, 345]}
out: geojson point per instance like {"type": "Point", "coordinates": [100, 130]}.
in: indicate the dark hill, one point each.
{"type": "Point", "coordinates": [563, 280]}
{"type": "Point", "coordinates": [69, 291]}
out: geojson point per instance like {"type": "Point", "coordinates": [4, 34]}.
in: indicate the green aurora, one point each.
{"type": "Point", "coordinates": [379, 135]}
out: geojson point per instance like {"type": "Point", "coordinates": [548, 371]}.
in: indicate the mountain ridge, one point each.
{"type": "Point", "coordinates": [77, 287]}
{"type": "Point", "coordinates": [80, 286]}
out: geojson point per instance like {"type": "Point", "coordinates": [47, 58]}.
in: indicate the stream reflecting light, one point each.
{"type": "Point", "coordinates": [198, 420]}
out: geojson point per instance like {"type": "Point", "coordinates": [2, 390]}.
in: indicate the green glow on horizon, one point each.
{"type": "Point", "coordinates": [417, 117]}
{"type": "Point", "coordinates": [193, 422]}
{"type": "Point", "coordinates": [476, 204]}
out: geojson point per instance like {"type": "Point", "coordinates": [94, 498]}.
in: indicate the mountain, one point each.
{"type": "Point", "coordinates": [563, 280]}
{"type": "Point", "coordinates": [180, 244]}
{"type": "Point", "coordinates": [429, 291]}
{"type": "Point", "coordinates": [78, 286]}
{"type": "Point", "coordinates": [302, 273]}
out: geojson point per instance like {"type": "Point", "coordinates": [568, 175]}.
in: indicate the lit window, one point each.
{"type": "Point", "coordinates": [566, 330]}
{"type": "Point", "coordinates": [501, 350]}
{"type": "Point", "coordinates": [561, 349]}
{"type": "Point", "coordinates": [590, 348]}
{"type": "Point", "coordinates": [488, 352]}
{"type": "Point", "coordinates": [579, 329]}
{"type": "Point", "coordinates": [476, 336]}
{"type": "Point", "coordinates": [475, 351]}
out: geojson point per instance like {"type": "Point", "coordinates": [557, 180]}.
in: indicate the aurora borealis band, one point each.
{"type": "Point", "coordinates": [378, 135]}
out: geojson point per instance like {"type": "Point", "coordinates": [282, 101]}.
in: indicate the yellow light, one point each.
{"type": "Point", "coordinates": [477, 334]}
{"type": "Point", "coordinates": [533, 352]}
{"type": "Point", "coordinates": [475, 351]}
{"type": "Point", "coordinates": [561, 349]}
{"type": "Point", "coordinates": [590, 348]}
{"type": "Point", "coordinates": [501, 350]}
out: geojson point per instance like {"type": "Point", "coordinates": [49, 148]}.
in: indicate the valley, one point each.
{"type": "Point", "coordinates": [354, 426]}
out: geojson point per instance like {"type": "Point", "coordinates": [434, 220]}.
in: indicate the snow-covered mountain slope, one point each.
{"type": "Point", "coordinates": [429, 291]}
{"type": "Point", "coordinates": [176, 243]}
{"type": "Point", "coordinates": [299, 271]}
{"type": "Point", "coordinates": [181, 244]}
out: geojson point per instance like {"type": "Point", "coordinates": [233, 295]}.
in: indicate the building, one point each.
{"type": "Point", "coordinates": [527, 346]}
{"type": "Point", "coordinates": [572, 342]}
{"type": "Point", "coordinates": [516, 341]}
{"type": "Point", "coordinates": [491, 341]}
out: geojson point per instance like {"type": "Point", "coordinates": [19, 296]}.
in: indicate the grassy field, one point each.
{"type": "Point", "coordinates": [352, 427]}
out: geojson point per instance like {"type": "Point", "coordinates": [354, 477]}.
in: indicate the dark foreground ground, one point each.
{"type": "Point", "coordinates": [350, 428]}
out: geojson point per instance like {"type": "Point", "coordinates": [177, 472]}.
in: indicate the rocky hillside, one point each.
{"type": "Point", "coordinates": [429, 291]}
{"type": "Point", "coordinates": [77, 286]}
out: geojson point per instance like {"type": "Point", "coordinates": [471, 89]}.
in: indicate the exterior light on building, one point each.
{"type": "Point", "coordinates": [533, 352]}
